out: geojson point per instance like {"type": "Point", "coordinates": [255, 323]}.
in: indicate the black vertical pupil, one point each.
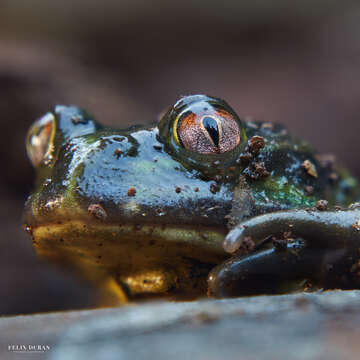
{"type": "Point", "coordinates": [211, 126]}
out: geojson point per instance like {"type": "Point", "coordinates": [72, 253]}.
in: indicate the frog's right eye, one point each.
{"type": "Point", "coordinates": [40, 139]}
{"type": "Point", "coordinates": [207, 131]}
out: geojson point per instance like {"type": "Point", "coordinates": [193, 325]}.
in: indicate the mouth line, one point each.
{"type": "Point", "coordinates": [80, 233]}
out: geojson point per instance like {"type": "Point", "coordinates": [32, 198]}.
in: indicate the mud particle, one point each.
{"type": "Point", "coordinates": [214, 188]}
{"type": "Point", "coordinates": [256, 143]}
{"type": "Point", "coordinates": [178, 189]}
{"type": "Point", "coordinates": [97, 211]}
{"type": "Point", "coordinates": [310, 168]}
{"type": "Point", "coordinates": [356, 225]}
{"type": "Point", "coordinates": [247, 244]}
{"type": "Point", "coordinates": [261, 170]}
{"type": "Point", "coordinates": [155, 160]}
{"type": "Point", "coordinates": [244, 159]}
{"type": "Point", "coordinates": [131, 191]}
{"type": "Point", "coordinates": [118, 152]}
{"type": "Point", "coordinates": [196, 189]}
{"type": "Point", "coordinates": [322, 205]}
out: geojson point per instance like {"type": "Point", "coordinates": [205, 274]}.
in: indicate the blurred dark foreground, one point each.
{"type": "Point", "coordinates": [125, 61]}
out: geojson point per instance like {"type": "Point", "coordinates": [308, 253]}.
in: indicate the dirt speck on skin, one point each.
{"type": "Point", "coordinates": [256, 143]}
{"type": "Point", "coordinates": [261, 170]}
{"type": "Point", "coordinates": [131, 191]}
{"type": "Point", "coordinates": [322, 205]}
{"type": "Point", "coordinates": [310, 168]}
{"type": "Point", "coordinates": [178, 189]}
{"type": "Point", "coordinates": [247, 245]}
{"type": "Point", "coordinates": [118, 152]}
{"type": "Point", "coordinates": [356, 225]}
{"type": "Point", "coordinates": [97, 211]}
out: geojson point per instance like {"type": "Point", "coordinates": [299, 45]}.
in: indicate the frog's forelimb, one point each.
{"type": "Point", "coordinates": [323, 250]}
{"type": "Point", "coordinates": [337, 228]}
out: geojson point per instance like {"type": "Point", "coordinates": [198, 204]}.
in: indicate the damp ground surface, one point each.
{"type": "Point", "coordinates": [300, 326]}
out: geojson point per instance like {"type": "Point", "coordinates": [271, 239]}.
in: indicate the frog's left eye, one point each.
{"type": "Point", "coordinates": [40, 139]}
{"type": "Point", "coordinates": [207, 130]}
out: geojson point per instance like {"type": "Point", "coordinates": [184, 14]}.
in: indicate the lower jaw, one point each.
{"type": "Point", "coordinates": [145, 261]}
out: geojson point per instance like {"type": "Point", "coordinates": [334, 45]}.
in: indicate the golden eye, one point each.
{"type": "Point", "coordinates": [207, 130]}
{"type": "Point", "coordinates": [40, 138]}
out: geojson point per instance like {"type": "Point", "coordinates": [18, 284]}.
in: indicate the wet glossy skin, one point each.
{"type": "Point", "coordinates": [144, 211]}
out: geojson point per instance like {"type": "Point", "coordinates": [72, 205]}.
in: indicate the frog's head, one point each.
{"type": "Point", "coordinates": [144, 187]}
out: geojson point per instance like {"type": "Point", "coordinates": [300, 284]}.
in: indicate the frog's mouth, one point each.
{"type": "Point", "coordinates": [129, 251]}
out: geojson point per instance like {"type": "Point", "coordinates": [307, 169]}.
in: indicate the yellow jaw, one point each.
{"type": "Point", "coordinates": [132, 261]}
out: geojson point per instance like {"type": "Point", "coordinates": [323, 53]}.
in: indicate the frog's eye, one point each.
{"type": "Point", "coordinates": [40, 139]}
{"type": "Point", "coordinates": [207, 130]}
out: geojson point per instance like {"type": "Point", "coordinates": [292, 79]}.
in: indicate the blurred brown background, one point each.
{"type": "Point", "coordinates": [295, 62]}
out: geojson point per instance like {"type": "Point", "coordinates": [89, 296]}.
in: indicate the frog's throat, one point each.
{"type": "Point", "coordinates": [123, 246]}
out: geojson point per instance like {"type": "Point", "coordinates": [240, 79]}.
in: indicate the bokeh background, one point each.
{"type": "Point", "coordinates": [295, 62]}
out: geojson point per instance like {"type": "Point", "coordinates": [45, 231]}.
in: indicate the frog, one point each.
{"type": "Point", "coordinates": [200, 203]}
